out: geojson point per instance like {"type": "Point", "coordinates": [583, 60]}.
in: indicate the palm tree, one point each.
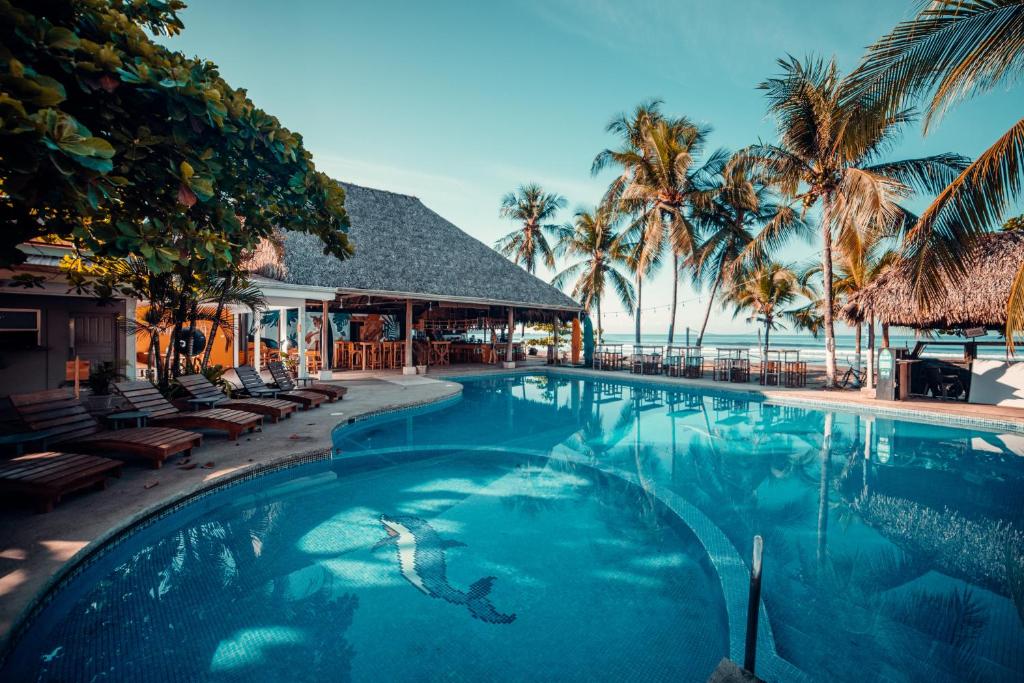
{"type": "Point", "coordinates": [952, 50]}
{"type": "Point", "coordinates": [594, 241]}
{"type": "Point", "coordinates": [534, 208]}
{"type": "Point", "coordinates": [742, 222]}
{"type": "Point", "coordinates": [653, 188]}
{"type": "Point", "coordinates": [765, 291]}
{"type": "Point", "coordinates": [830, 141]}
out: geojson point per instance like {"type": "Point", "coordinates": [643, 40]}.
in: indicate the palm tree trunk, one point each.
{"type": "Point", "coordinates": [216, 321]}
{"type": "Point", "coordinates": [600, 325]}
{"type": "Point", "coordinates": [639, 293]}
{"type": "Point", "coordinates": [675, 297]}
{"type": "Point", "coordinates": [767, 334]}
{"type": "Point", "coordinates": [826, 276]}
{"type": "Point", "coordinates": [885, 335]}
{"type": "Point", "coordinates": [856, 351]}
{"type": "Point", "coordinates": [707, 311]}
{"type": "Point", "coordinates": [870, 375]}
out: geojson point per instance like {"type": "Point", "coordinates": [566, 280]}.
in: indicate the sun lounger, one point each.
{"type": "Point", "coordinates": [143, 395]}
{"type": "Point", "coordinates": [47, 477]}
{"type": "Point", "coordinates": [253, 385]}
{"type": "Point", "coordinates": [284, 380]}
{"type": "Point", "coordinates": [68, 423]}
{"type": "Point", "coordinates": [206, 392]}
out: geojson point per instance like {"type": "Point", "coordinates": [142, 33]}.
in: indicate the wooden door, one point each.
{"type": "Point", "coordinates": [94, 337]}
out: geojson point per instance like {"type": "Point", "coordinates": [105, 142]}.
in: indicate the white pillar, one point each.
{"type": "Point", "coordinates": [257, 354]}
{"type": "Point", "coordinates": [509, 358]}
{"type": "Point", "coordinates": [130, 370]}
{"type": "Point", "coordinates": [325, 350]}
{"type": "Point", "coordinates": [300, 335]}
{"type": "Point", "coordinates": [234, 340]}
{"type": "Point", "coordinates": [408, 368]}
{"type": "Point", "coordinates": [282, 333]}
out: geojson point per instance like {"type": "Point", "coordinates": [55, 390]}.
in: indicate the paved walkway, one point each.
{"type": "Point", "coordinates": [33, 547]}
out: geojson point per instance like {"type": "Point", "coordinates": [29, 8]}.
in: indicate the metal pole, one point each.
{"type": "Point", "coordinates": [325, 352]}
{"type": "Point", "coordinates": [753, 605]}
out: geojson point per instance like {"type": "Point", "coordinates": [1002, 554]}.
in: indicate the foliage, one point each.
{"type": "Point", "coordinates": [741, 223]}
{"type": "Point", "coordinates": [102, 378]}
{"type": "Point", "coordinates": [531, 206]}
{"type": "Point", "coordinates": [564, 333]}
{"type": "Point", "coordinates": [123, 147]}
{"type": "Point", "coordinates": [763, 292]}
{"type": "Point", "coordinates": [215, 375]}
{"type": "Point", "coordinates": [950, 51]}
{"type": "Point", "coordinates": [831, 139]}
{"type": "Point", "coordinates": [593, 240]}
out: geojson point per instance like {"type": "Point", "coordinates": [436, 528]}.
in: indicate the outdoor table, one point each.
{"type": "Point", "coordinates": [608, 356]}
{"type": "Point", "coordinates": [732, 364]}
{"type": "Point", "coordinates": [116, 420]}
{"type": "Point", "coordinates": [693, 363]}
{"type": "Point", "coordinates": [206, 401]}
{"type": "Point", "coordinates": [794, 371]}
{"type": "Point", "coordinates": [771, 368]}
{"type": "Point", "coordinates": [646, 360]}
{"type": "Point", "coordinates": [19, 440]}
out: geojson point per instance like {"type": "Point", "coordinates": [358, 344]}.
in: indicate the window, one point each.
{"type": "Point", "coordinates": [19, 328]}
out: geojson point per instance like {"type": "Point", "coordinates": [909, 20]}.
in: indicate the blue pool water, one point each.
{"type": "Point", "coordinates": [556, 528]}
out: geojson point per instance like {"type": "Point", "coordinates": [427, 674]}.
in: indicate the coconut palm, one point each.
{"type": "Point", "coordinates": [828, 157]}
{"type": "Point", "coordinates": [656, 162]}
{"type": "Point", "coordinates": [742, 222]}
{"type": "Point", "coordinates": [764, 292]}
{"type": "Point", "coordinates": [950, 51]}
{"type": "Point", "coordinates": [592, 240]}
{"type": "Point", "coordinates": [534, 209]}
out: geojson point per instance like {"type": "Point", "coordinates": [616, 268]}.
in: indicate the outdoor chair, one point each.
{"type": "Point", "coordinates": [283, 380]}
{"type": "Point", "coordinates": [144, 396]}
{"type": "Point", "coordinates": [943, 385]}
{"type": "Point", "coordinates": [204, 392]}
{"type": "Point", "coordinates": [253, 385]}
{"type": "Point", "coordinates": [47, 477]}
{"type": "Point", "coordinates": [67, 423]}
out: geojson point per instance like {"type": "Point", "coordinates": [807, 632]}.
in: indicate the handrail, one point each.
{"type": "Point", "coordinates": [753, 606]}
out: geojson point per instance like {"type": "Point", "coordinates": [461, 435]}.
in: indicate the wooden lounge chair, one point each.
{"type": "Point", "coordinates": [283, 380]}
{"type": "Point", "coordinates": [198, 387]}
{"type": "Point", "coordinates": [67, 422]}
{"type": "Point", "coordinates": [143, 395]}
{"type": "Point", "coordinates": [47, 477]}
{"type": "Point", "coordinates": [253, 385]}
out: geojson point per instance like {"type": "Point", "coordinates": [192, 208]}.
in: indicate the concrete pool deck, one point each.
{"type": "Point", "coordinates": [33, 548]}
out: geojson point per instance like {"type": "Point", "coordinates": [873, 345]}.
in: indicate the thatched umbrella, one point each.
{"type": "Point", "coordinates": [976, 299]}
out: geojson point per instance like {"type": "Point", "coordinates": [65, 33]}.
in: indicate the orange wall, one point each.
{"type": "Point", "coordinates": [220, 355]}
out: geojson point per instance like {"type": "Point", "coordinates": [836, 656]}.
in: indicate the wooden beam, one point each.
{"type": "Point", "coordinates": [325, 352]}
{"type": "Point", "coordinates": [408, 333]}
{"type": "Point", "coordinates": [508, 346]}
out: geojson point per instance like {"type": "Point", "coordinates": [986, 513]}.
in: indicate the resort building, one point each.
{"type": "Point", "coordinates": [416, 286]}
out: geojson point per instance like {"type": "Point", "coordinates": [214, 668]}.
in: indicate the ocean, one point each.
{"type": "Point", "coordinates": [811, 349]}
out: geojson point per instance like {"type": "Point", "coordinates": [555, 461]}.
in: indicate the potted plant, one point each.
{"type": "Point", "coordinates": [100, 384]}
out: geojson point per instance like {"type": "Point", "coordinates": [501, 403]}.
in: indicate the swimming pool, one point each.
{"type": "Point", "coordinates": [564, 528]}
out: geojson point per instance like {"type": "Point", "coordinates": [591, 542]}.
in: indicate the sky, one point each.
{"type": "Point", "coordinates": [459, 103]}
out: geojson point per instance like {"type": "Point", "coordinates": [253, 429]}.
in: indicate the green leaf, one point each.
{"type": "Point", "coordinates": [61, 38]}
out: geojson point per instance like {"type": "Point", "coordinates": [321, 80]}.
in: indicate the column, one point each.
{"type": "Point", "coordinates": [408, 368]}
{"type": "Point", "coordinates": [300, 336]}
{"type": "Point", "coordinates": [282, 333]}
{"type": "Point", "coordinates": [234, 340]}
{"type": "Point", "coordinates": [257, 353]}
{"type": "Point", "coordinates": [509, 358]}
{"type": "Point", "coordinates": [130, 370]}
{"type": "Point", "coordinates": [325, 350]}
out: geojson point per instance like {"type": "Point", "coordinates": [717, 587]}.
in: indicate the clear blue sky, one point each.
{"type": "Point", "coordinates": [460, 102]}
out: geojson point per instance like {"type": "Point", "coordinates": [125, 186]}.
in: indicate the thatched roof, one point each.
{"type": "Point", "coordinates": [403, 248]}
{"type": "Point", "coordinates": [976, 299]}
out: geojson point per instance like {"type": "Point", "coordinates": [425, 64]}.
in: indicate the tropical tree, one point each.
{"type": "Point", "coordinates": [124, 148]}
{"type": "Point", "coordinates": [950, 51]}
{"type": "Point", "coordinates": [593, 241]}
{"type": "Point", "coordinates": [657, 160]}
{"type": "Point", "coordinates": [828, 157]}
{"type": "Point", "coordinates": [764, 292]}
{"type": "Point", "coordinates": [534, 208]}
{"type": "Point", "coordinates": [742, 222]}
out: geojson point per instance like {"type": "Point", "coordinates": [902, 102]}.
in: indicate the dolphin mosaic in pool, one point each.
{"type": "Point", "coordinates": [422, 563]}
